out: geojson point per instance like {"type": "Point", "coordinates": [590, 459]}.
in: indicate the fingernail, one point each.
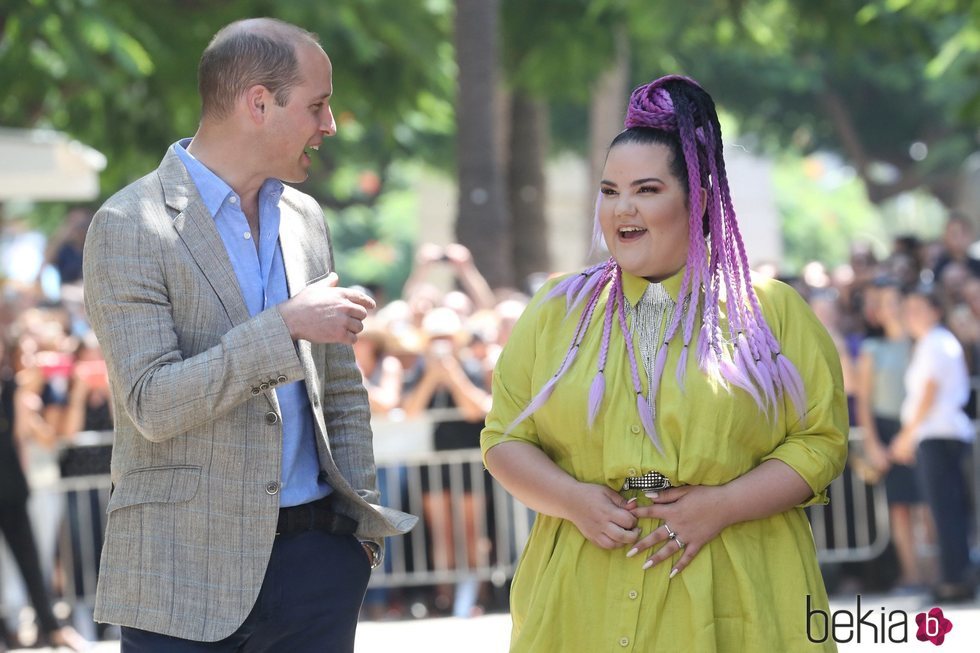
{"type": "Point", "coordinates": [632, 552]}
{"type": "Point", "coordinates": [673, 572]}
{"type": "Point", "coordinates": [652, 495]}
{"type": "Point", "coordinates": [631, 502]}
{"type": "Point", "coordinates": [648, 564]}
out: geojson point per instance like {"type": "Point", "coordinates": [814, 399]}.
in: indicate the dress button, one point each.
{"type": "Point", "coordinates": [282, 378]}
{"type": "Point", "coordinates": [631, 471]}
{"type": "Point", "coordinates": [633, 594]}
{"type": "Point", "coordinates": [635, 429]}
{"type": "Point", "coordinates": [271, 417]}
{"type": "Point", "coordinates": [271, 487]}
{"type": "Point", "coordinates": [624, 641]}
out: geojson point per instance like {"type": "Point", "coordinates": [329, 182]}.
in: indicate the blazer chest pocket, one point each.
{"type": "Point", "coordinates": [165, 484]}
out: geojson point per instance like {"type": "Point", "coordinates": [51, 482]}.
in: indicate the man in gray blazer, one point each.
{"type": "Point", "coordinates": [243, 509]}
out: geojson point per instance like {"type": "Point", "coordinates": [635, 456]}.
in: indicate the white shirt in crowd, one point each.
{"type": "Point", "coordinates": [938, 356]}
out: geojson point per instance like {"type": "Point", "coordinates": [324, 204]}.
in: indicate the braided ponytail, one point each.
{"type": "Point", "coordinates": [676, 112]}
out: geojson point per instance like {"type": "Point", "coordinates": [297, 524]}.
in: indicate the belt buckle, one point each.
{"type": "Point", "coordinates": [651, 482]}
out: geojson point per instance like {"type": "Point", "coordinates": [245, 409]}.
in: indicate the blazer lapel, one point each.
{"type": "Point", "coordinates": [195, 226]}
{"type": "Point", "coordinates": [293, 234]}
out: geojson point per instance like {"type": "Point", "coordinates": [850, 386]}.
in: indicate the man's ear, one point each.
{"type": "Point", "coordinates": [257, 99]}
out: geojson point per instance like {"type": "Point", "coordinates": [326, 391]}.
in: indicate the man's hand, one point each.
{"type": "Point", "coordinates": [324, 313]}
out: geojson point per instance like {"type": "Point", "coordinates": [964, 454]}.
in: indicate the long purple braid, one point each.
{"type": "Point", "coordinates": [748, 356]}
{"type": "Point", "coordinates": [757, 364]}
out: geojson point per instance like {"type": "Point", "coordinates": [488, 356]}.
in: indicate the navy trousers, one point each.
{"type": "Point", "coordinates": [940, 466]}
{"type": "Point", "coordinates": [309, 602]}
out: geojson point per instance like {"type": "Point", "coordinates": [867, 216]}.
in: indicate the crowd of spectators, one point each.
{"type": "Point", "coordinates": [866, 305]}
{"type": "Point", "coordinates": [435, 348]}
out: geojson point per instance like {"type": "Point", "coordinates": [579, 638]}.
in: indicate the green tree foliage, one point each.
{"type": "Point", "coordinates": [875, 80]}
{"type": "Point", "coordinates": [121, 77]}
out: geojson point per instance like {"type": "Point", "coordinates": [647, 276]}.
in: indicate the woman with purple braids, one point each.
{"type": "Point", "coordinates": [668, 417]}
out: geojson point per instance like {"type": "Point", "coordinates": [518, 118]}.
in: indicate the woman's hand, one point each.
{"type": "Point", "coordinates": [695, 514]}
{"type": "Point", "coordinates": [603, 516]}
{"type": "Point", "coordinates": [877, 455]}
{"type": "Point", "coordinates": [902, 448]}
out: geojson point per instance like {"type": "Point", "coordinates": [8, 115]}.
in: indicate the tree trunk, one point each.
{"type": "Point", "coordinates": [481, 222]}
{"type": "Point", "coordinates": [606, 113]}
{"type": "Point", "coordinates": [526, 186]}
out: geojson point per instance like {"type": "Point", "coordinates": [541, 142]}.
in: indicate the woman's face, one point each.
{"type": "Point", "coordinates": [889, 306]}
{"type": "Point", "coordinates": [643, 211]}
{"type": "Point", "coordinates": [920, 316]}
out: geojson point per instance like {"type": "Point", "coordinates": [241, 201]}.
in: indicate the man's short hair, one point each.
{"type": "Point", "coordinates": [246, 53]}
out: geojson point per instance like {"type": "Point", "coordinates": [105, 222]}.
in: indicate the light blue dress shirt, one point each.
{"type": "Point", "coordinates": [262, 281]}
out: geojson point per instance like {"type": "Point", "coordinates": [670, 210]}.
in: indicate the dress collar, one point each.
{"type": "Point", "coordinates": [634, 287]}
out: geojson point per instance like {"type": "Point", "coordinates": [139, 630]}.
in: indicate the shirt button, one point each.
{"type": "Point", "coordinates": [233, 200]}
{"type": "Point", "coordinates": [271, 417]}
{"type": "Point", "coordinates": [635, 429]}
{"type": "Point", "coordinates": [633, 594]}
{"type": "Point", "coordinates": [271, 487]}
{"type": "Point", "coordinates": [631, 471]}
{"type": "Point", "coordinates": [247, 235]}
{"type": "Point", "coordinates": [624, 641]}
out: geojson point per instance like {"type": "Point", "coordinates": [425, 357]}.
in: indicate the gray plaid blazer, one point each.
{"type": "Point", "coordinates": [198, 442]}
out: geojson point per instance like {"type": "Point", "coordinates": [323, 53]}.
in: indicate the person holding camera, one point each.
{"type": "Point", "coordinates": [448, 377]}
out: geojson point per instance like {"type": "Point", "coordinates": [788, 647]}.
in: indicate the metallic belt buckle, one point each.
{"type": "Point", "coordinates": [651, 481]}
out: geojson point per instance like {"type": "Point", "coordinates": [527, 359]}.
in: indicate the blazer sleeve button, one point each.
{"type": "Point", "coordinates": [282, 378]}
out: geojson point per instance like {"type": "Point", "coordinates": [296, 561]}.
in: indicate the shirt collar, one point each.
{"type": "Point", "coordinates": [213, 189]}
{"type": "Point", "coordinates": [634, 287]}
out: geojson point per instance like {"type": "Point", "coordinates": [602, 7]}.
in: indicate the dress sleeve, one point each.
{"type": "Point", "coordinates": [512, 386]}
{"type": "Point", "coordinates": [816, 444]}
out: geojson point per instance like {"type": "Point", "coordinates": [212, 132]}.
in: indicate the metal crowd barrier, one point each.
{"type": "Point", "coordinates": [853, 527]}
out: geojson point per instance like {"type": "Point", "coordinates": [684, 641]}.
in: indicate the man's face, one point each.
{"type": "Point", "coordinates": [294, 131]}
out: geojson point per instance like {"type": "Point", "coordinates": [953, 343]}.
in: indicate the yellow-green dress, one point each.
{"type": "Point", "coordinates": [746, 590]}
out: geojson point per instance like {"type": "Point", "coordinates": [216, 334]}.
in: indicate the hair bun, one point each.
{"type": "Point", "coordinates": [651, 106]}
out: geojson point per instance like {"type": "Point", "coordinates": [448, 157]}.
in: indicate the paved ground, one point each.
{"type": "Point", "coordinates": [490, 633]}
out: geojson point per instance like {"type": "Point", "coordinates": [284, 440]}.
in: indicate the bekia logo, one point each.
{"type": "Point", "coordinates": [876, 626]}
{"type": "Point", "coordinates": [933, 626]}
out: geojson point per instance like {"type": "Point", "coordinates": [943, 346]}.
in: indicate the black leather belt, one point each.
{"type": "Point", "coordinates": [314, 516]}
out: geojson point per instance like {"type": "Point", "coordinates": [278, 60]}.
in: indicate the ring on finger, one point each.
{"type": "Point", "coordinates": [680, 544]}
{"type": "Point", "coordinates": [671, 534]}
